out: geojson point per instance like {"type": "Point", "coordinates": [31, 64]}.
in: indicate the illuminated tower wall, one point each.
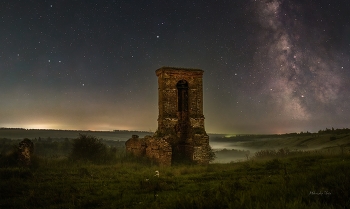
{"type": "Point", "coordinates": [180, 103]}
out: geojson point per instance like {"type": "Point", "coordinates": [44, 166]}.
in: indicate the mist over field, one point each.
{"type": "Point", "coordinates": [227, 148]}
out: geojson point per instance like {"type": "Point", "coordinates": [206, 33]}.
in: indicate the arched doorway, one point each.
{"type": "Point", "coordinates": [180, 152]}
{"type": "Point", "coordinates": [182, 109]}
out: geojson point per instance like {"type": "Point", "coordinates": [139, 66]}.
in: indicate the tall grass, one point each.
{"type": "Point", "coordinates": [298, 181]}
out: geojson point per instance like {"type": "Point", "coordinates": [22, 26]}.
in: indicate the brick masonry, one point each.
{"type": "Point", "coordinates": [181, 134]}
{"type": "Point", "coordinates": [25, 152]}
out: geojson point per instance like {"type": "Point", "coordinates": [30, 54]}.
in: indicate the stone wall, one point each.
{"type": "Point", "coordinates": [136, 146]}
{"type": "Point", "coordinates": [159, 151]}
{"type": "Point", "coordinates": [155, 149]}
{"type": "Point", "coordinates": [201, 154]}
{"type": "Point", "coordinates": [25, 152]}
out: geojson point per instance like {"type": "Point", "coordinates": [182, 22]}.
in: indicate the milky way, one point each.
{"type": "Point", "coordinates": [305, 79]}
{"type": "Point", "coordinates": [270, 66]}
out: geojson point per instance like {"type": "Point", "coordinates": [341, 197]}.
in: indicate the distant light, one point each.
{"type": "Point", "coordinates": [40, 126]}
{"type": "Point", "coordinates": [157, 36]}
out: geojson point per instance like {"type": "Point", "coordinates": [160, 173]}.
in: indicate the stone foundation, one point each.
{"type": "Point", "coordinates": [155, 149]}
{"type": "Point", "coordinates": [136, 146]}
{"type": "Point", "coordinates": [160, 151]}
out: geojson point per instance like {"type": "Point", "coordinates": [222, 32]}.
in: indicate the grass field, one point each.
{"type": "Point", "coordinates": [313, 172]}
{"type": "Point", "coordinates": [300, 180]}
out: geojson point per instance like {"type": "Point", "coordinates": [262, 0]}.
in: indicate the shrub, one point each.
{"type": "Point", "coordinates": [89, 148]}
{"type": "Point", "coordinates": [274, 164]}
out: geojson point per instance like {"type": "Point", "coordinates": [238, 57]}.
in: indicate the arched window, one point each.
{"type": "Point", "coordinates": [182, 96]}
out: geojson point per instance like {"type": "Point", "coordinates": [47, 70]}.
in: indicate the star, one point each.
{"type": "Point", "coordinates": [249, 51]}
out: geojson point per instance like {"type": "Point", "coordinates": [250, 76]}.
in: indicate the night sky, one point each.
{"type": "Point", "coordinates": [270, 66]}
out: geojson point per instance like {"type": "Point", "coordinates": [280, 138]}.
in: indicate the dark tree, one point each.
{"type": "Point", "coordinates": [88, 148]}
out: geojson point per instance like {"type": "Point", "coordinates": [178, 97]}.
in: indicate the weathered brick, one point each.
{"type": "Point", "coordinates": [180, 121]}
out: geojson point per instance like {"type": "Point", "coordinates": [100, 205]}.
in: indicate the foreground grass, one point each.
{"type": "Point", "coordinates": [305, 181]}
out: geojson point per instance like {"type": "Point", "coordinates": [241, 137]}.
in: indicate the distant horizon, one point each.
{"type": "Point", "coordinates": [57, 129]}
{"type": "Point", "coordinates": [144, 131]}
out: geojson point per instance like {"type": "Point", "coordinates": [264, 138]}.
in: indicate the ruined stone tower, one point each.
{"type": "Point", "coordinates": [181, 135]}
{"type": "Point", "coordinates": [180, 101]}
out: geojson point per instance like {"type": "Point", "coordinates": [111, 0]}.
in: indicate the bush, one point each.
{"type": "Point", "coordinates": [89, 148]}
{"type": "Point", "coordinates": [10, 158]}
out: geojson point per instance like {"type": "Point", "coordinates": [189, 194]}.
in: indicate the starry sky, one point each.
{"type": "Point", "coordinates": [270, 66]}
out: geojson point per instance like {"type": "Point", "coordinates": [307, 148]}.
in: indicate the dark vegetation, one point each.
{"type": "Point", "coordinates": [88, 172]}
{"type": "Point", "coordinates": [89, 148]}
